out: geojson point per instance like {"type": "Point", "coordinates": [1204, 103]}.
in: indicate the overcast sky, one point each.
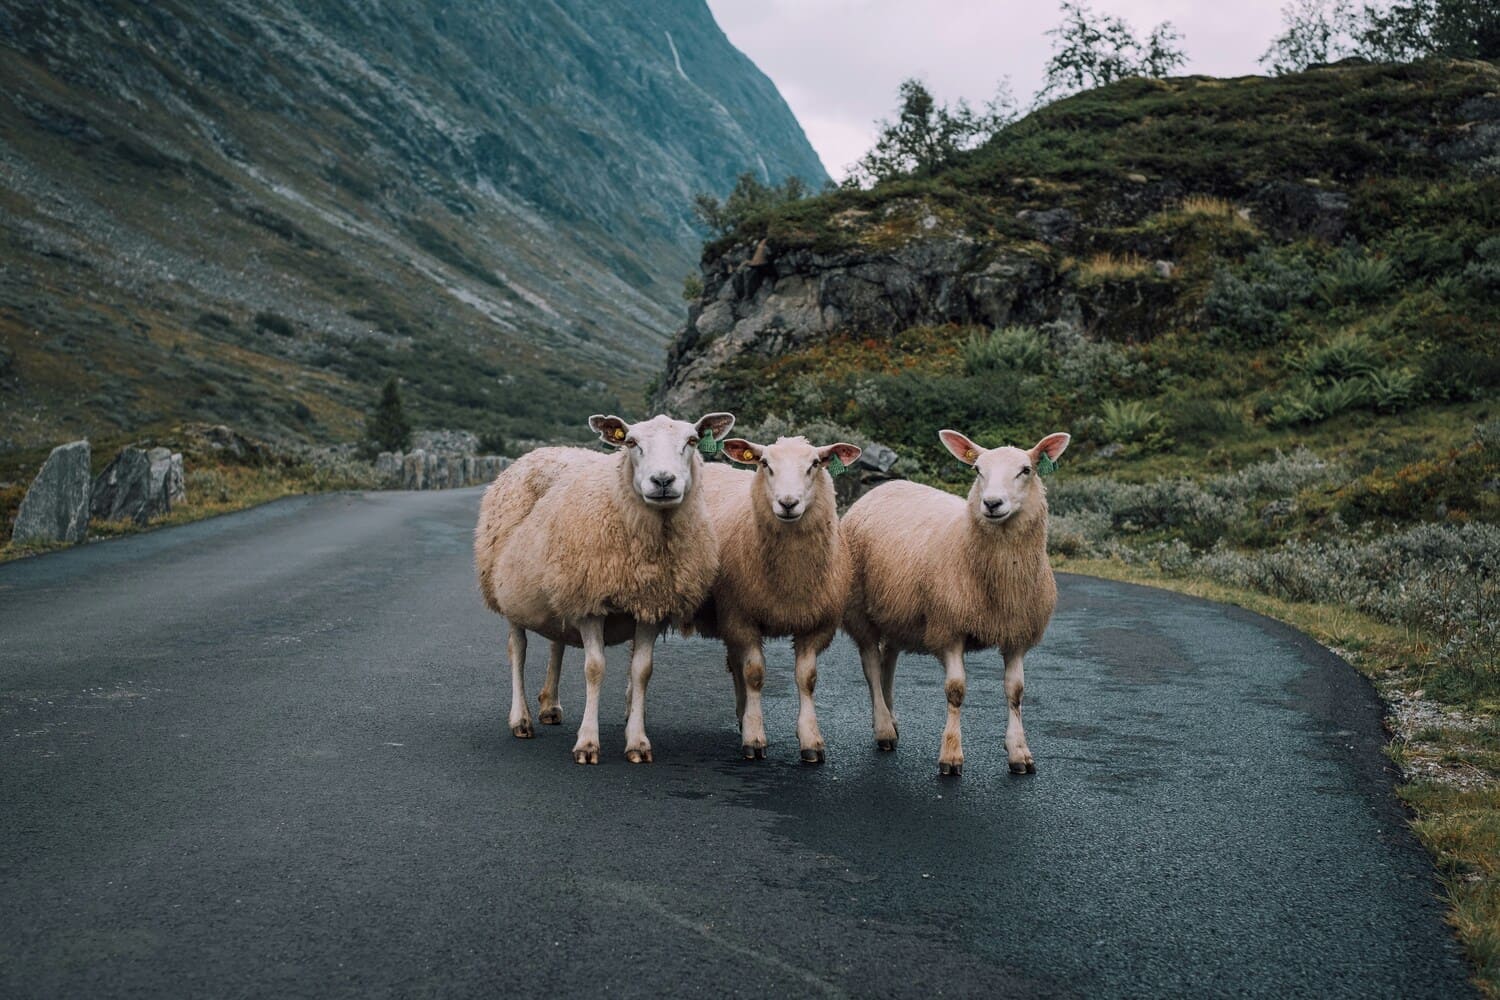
{"type": "Point", "coordinates": [838, 62]}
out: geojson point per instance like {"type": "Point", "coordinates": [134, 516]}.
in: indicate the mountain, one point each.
{"type": "Point", "coordinates": [253, 212]}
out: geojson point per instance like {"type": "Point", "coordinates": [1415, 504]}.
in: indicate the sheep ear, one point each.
{"type": "Point", "coordinates": [611, 429]}
{"type": "Point", "coordinates": [846, 453]}
{"type": "Point", "coordinates": [963, 449]}
{"type": "Point", "coordinates": [1053, 445]}
{"type": "Point", "coordinates": [719, 424]}
{"type": "Point", "coordinates": [742, 451]}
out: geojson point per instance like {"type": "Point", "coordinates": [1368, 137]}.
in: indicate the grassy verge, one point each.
{"type": "Point", "coordinates": [1449, 756]}
{"type": "Point", "coordinates": [216, 482]}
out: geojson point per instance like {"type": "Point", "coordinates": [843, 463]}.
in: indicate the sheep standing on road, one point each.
{"type": "Point", "coordinates": [942, 575]}
{"type": "Point", "coordinates": [783, 570]}
{"type": "Point", "coordinates": [591, 549]}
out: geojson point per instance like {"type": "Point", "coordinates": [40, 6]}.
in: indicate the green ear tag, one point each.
{"type": "Point", "coordinates": [707, 444]}
{"type": "Point", "coordinates": [836, 466]}
{"type": "Point", "coordinates": [1045, 466]}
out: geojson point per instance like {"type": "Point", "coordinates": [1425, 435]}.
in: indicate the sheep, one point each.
{"type": "Point", "coordinates": [941, 575]}
{"type": "Point", "coordinates": [593, 549]}
{"type": "Point", "coordinates": [783, 570]}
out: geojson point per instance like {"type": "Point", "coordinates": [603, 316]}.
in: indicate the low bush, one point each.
{"type": "Point", "coordinates": [1021, 348]}
{"type": "Point", "coordinates": [1355, 277]}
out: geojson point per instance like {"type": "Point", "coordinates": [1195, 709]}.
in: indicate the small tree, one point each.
{"type": "Point", "coordinates": [1316, 31]}
{"type": "Point", "coordinates": [1091, 50]}
{"type": "Point", "coordinates": [388, 429]}
{"type": "Point", "coordinates": [927, 135]}
{"type": "Point", "coordinates": [748, 197]}
{"type": "Point", "coordinates": [1321, 31]}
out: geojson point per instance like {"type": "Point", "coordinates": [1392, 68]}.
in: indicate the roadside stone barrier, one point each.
{"type": "Point", "coordinates": [423, 470]}
{"type": "Point", "coordinates": [56, 506]}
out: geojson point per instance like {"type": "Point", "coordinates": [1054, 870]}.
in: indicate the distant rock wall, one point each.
{"type": "Point", "coordinates": [424, 470]}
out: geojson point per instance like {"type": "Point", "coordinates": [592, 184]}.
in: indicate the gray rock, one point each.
{"type": "Point", "coordinates": [875, 457]}
{"type": "Point", "coordinates": [388, 469]}
{"type": "Point", "coordinates": [414, 470]}
{"type": "Point", "coordinates": [1291, 210]}
{"type": "Point", "coordinates": [123, 491]}
{"type": "Point", "coordinates": [1164, 268]}
{"type": "Point", "coordinates": [1052, 225]}
{"type": "Point", "coordinates": [167, 475]}
{"type": "Point", "coordinates": [56, 507]}
{"type": "Point", "coordinates": [445, 442]}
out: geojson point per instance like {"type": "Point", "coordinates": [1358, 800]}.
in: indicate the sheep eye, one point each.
{"type": "Point", "coordinates": [630, 442]}
{"type": "Point", "coordinates": [691, 443]}
{"type": "Point", "coordinates": [1025, 471]}
{"type": "Point", "coordinates": [765, 465]}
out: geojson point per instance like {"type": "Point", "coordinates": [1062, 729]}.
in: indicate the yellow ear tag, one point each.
{"type": "Point", "coordinates": [747, 455]}
{"type": "Point", "coordinates": [971, 454]}
{"type": "Point", "coordinates": [619, 433]}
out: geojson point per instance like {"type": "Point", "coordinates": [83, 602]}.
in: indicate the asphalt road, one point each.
{"type": "Point", "coordinates": [266, 755]}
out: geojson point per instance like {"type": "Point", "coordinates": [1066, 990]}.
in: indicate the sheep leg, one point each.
{"type": "Point", "coordinates": [1016, 749]}
{"type": "Point", "coordinates": [753, 723]}
{"type": "Point", "coordinates": [637, 747]}
{"type": "Point", "coordinates": [888, 657]}
{"type": "Point", "coordinates": [551, 712]}
{"type": "Point", "coordinates": [880, 710]}
{"type": "Point", "coordinates": [520, 715]}
{"type": "Point", "coordinates": [737, 673]}
{"type": "Point", "coordinates": [951, 760]}
{"type": "Point", "coordinates": [586, 750]}
{"type": "Point", "coordinates": [808, 736]}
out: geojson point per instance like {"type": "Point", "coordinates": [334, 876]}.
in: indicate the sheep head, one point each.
{"type": "Point", "coordinates": [789, 471]}
{"type": "Point", "coordinates": [661, 453]}
{"type": "Point", "coordinates": [1006, 483]}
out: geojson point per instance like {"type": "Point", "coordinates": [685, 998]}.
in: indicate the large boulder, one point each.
{"type": "Point", "coordinates": [414, 470]}
{"type": "Point", "coordinates": [56, 507]}
{"type": "Point", "coordinates": [445, 442]}
{"type": "Point", "coordinates": [123, 491]}
{"type": "Point", "coordinates": [167, 475]}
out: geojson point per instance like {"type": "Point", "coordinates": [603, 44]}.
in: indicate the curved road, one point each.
{"type": "Point", "coordinates": [265, 755]}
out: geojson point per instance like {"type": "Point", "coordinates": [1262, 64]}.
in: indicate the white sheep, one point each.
{"type": "Point", "coordinates": [941, 575]}
{"type": "Point", "coordinates": [591, 549]}
{"type": "Point", "coordinates": [783, 570]}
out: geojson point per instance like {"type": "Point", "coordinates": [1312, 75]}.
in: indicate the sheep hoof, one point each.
{"type": "Point", "coordinates": [1022, 767]}
{"type": "Point", "coordinates": [522, 730]}
{"type": "Point", "coordinates": [885, 744]}
{"type": "Point", "coordinates": [638, 756]}
{"type": "Point", "coordinates": [753, 753]}
{"type": "Point", "coordinates": [947, 769]}
{"type": "Point", "coordinates": [586, 756]}
{"type": "Point", "coordinates": [550, 716]}
{"type": "Point", "coordinates": [812, 756]}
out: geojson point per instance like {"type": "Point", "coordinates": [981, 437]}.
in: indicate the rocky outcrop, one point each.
{"type": "Point", "coordinates": [124, 491]}
{"type": "Point", "coordinates": [56, 507]}
{"type": "Point", "coordinates": [422, 470]}
{"type": "Point", "coordinates": [445, 442]}
{"type": "Point", "coordinates": [757, 300]}
{"type": "Point", "coordinates": [167, 475]}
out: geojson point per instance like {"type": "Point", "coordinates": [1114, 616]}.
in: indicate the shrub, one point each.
{"type": "Point", "coordinates": [1126, 421]}
{"type": "Point", "coordinates": [270, 322]}
{"type": "Point", "coordinates": [1248, 306]}
{"type": "Point", "coordinates": [1020, 348]}
{"type": "Point", "coordinates": [1390, 390]}
{"type": "Point", "coordinates": [1357, 278]}
{"type": "Point", "coordinates": [692, 288]}
{"type": "Point", "coordinates": [1346, 356]}
{"type": "Point", "coordinates": [1306, 403]}
{"type": "Point", "coordinates": [1205, 420]}
{"type": "Point", "coordinates": [388, 429]}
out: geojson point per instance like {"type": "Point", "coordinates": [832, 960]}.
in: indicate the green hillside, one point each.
{"type": "Point", "coordinates": [1268, 310]}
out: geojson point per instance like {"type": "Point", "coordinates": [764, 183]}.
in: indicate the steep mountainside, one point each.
{"type": "Point", "coordinates": [254, 211]}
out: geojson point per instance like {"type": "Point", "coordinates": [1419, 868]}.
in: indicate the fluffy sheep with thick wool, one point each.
{"type": "Point", "coordinates": [937, 574]}
{"type": "Point", "coordinates": [591, 550]}
{"type": "Point", "coordinates": [783, 571]}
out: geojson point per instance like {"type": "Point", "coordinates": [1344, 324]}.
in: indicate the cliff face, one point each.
{"type": "Point", "coordinates": [254, 211]}
{"type": "Point", "coordinates": [1104, 218]}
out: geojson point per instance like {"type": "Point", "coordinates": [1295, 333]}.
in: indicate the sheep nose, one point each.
{"type": "Point", "coordinates": [664, 479]}
{"type": "Point", "coordinates": [994, 506]}
{"type": "Point", "coordinates": [787, 504]}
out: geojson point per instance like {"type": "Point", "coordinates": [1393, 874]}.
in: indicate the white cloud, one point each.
{"type": "Point", "coordinates": [838, 62]}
